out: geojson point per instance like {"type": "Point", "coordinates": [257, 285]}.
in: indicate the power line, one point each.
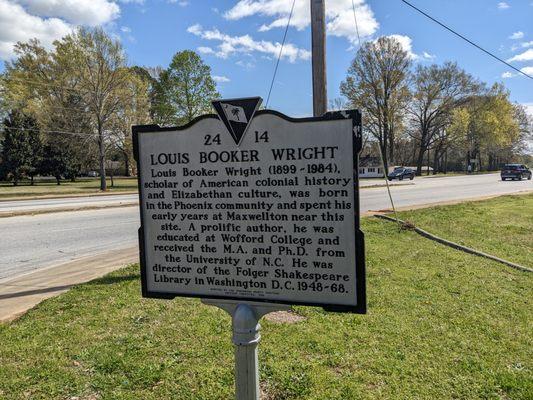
{"type": "Point", "coordinates": [466, 39]}
{"type": "Point", "coordinates": [280, 51]}
{"type": "Point", "coordinates": [46, 131]}
{"type": "Point", "coordinates": [356, 25]}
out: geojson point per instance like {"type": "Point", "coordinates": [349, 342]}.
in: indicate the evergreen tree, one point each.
{"type": "Point", "coordinates": [53, 162]}
{"type": "Point", "coordinates": [21, 147]}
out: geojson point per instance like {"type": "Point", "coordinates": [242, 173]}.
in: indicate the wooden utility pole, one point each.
{"type": "Point", "coordinates": [318, 32]}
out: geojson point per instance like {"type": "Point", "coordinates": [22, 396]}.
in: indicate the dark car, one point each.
{"type": "Point", "coordinates": [401, 174]}
{"type": "Point", "coordinates": [515, 171]}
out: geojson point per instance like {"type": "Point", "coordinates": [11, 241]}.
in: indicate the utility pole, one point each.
{"type": "Point", "coordinates": [318, 34]}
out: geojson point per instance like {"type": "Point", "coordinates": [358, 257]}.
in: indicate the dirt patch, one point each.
{"type": "Point", "coordinates": [284, 317]}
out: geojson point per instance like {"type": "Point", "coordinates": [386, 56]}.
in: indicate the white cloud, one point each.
{"type": "Point", "coordinates": [339, 16]}
{"type": "Point", "coordinates": [527, 70]}
{"type": "Point", "coordinates": [49, 20]}
{"type": "Point", "coordinates": [517, 35]}
{"type": "Point", "coordinates": [507, 75]}
{"type": "Point", "coordinates": [523, 45]}
{"type": "Point", "coordinates": [220, 79]}
{"type": "Point", "coordinates": [245, 64]}
{"type": "Point", "coordinates": [82, 12]}
{"type": "Point", "coordinates": [428, 56]}
{"type": "Point", "coordinates": [126, 30]}
{"type": "Point", "coordinates": [205, 50]}
{"type": "Point", "coordinates": [407, 45]}
{"type": "Point", "coordinates": [16, 24]}
{"type": "Point", "coordinates": [502, 5]}
{"type": "Point", "coordinates": [230, 45]}
{"type": "Point", "coordinates": [525, 56]}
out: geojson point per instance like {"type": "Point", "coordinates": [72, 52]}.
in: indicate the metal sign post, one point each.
{"type": "Point", "coordinates": [245, 324]}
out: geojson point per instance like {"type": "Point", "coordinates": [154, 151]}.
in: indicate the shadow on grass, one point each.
{"type": "Point", "coordinates": [107, 280]}
{"type": "Point", "coordinates": [35, 291]}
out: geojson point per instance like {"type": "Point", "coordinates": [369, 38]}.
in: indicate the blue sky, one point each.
{"type": "Point", "coordinates": [240, 39]}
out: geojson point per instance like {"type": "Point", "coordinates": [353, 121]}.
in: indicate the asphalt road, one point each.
{"type": "Point", "coordinates": [428, 190]}
{"type": "Point", "coordinates": [30, 242]}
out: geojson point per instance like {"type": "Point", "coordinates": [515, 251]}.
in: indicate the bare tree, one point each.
{"type": "Point", "coordinates": [377, 84]}
{"type": "Point", "coordinates": [437, 90]}
{"type": "Point", "coordinates": [97, 63]}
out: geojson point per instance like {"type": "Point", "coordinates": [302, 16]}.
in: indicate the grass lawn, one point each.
{"type": "Point", "coordinates": [441, 325]}
{"type": "Point", "coordinates": [502, 226]}
{"type": "Point", "coordinates": [50, 188]}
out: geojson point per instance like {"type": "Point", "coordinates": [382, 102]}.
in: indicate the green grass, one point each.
{"type": "Point", "coordinates": [50, 188]}
{"type": "Point", "coordinates": [441, 324]}
{"type": "Point", "coordinates": [502, 226]}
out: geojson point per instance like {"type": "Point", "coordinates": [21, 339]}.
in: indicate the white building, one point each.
{"type": "Point", "coordinates": [371, 172]}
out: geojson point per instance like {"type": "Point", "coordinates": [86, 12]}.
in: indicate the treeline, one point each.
{"type": "Point", "coordinates": [70, 109]}
{"type": "Point", "coordinates": [434, 115]}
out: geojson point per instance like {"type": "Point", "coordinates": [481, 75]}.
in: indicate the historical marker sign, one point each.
{"type": "Point", "coordinates": [252, 206]}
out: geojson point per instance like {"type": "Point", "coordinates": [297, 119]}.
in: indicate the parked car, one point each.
{"type": "Point", "coordinates": [401, 174]}
{"type": "Point", "coordinates": [515, 171]}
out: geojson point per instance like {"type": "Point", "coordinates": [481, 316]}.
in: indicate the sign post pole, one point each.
{"type": "Point", "coordinates": [245, 325]}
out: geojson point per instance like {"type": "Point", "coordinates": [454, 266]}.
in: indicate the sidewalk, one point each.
{"type": "Point", "coordinates": [19, 294]}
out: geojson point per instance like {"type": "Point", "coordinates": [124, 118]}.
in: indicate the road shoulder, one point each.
{"type": "Point", "coordinates": [19, 294]}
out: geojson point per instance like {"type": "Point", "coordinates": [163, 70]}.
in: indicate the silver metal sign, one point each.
{"type": "Point", "coordinates": [253, 206]}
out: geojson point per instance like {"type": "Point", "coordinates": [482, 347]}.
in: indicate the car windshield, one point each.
{"type": "Point", "coordinates": [511, 167]}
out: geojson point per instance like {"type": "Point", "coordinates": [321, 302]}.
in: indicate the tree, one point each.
{"type": "Point", "coordinates": [95, 64]}
{"type": "Point", "coordinates": [377, 84]}
{"type": "Point", "coordinates": [53, 162]}
{"type": "Point", "coordinates": [133, 109]}
{"type": "Point", "coordinates": [185, 89]}
{"type": "Point", "coordinates": [21, 147]}
{"type": "Point", "coordinates": [495, 128]}
{"type": "Point", "coordinates": [437, 90]}
{"type": "Point", "coordinates": [77, 87]}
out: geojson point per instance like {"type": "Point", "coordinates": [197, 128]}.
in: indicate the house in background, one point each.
{"type": "Point", "coordinates": [370, 167]}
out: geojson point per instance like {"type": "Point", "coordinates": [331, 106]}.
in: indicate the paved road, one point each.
{"type": "Point", "coordinates": [429, 190]}
{"type": "Point", "coordinates": [31, 242]}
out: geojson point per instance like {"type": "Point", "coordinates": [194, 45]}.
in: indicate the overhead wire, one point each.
{"type": "Point", "coordinates": [49, 131]}
{"type": "Point", "coordinates": [466, 39]}
{"type": "Point", "coordinates": [280, 53]}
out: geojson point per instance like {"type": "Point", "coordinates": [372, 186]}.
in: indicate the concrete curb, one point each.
{"type": "Point", "coordinates": [453, 245]}
{"type": "Point", "coordinates": [9, 214]}
{"type": "Point", "coordinates": [382, 185]}
{"type": "Point", "coordinates": [65, 196]}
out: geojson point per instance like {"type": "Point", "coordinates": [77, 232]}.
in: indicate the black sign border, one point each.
{"type": "Point", "coordinates": [360, 274]}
